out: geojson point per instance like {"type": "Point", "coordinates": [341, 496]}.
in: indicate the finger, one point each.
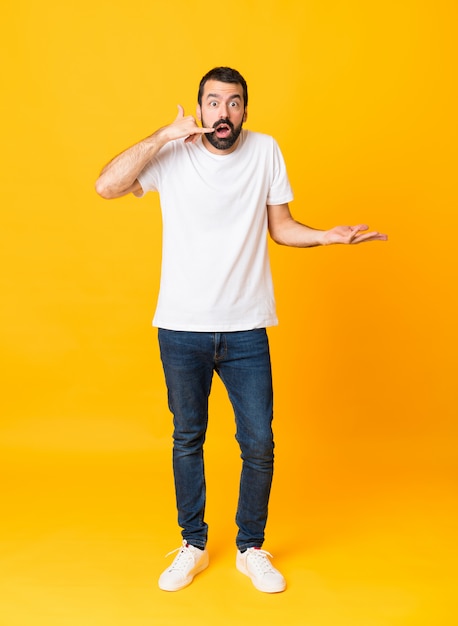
{"type": "Point", "coordinates": [354, 234]}
{"type": "Point", "coordinates": [201, 131]}
{"type": "Point", "coordinates": [180, 112]}
{"type": "Point", "coordinates": [198, 133]}
{"type": "Point", "coordinates": [379, 237]}
{"type": "Point", "coordinates": [359, 228]}
{"type": "Point", "coordinates": [192, 138]}
{"type": "Point", "coordinates": [373, 236]}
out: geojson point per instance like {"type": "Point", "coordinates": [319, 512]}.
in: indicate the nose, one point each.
{"type": "Point", "coordinates": [224, 110]}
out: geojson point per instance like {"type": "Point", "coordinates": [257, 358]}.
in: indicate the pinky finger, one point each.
{"type": "Point", "coordinates": [192, 138]}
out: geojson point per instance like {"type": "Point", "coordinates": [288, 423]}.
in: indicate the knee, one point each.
{"type": "Point", "coordinates": [188, 441]}
{"type": "Point", "coordinates": [259, 450]}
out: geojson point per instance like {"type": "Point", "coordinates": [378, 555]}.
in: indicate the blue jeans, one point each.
{"type": "Point", "coordinates": [242, 361]}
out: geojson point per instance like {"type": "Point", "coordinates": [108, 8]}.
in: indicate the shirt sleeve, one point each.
{"type": "Point", "coordinates": [151, 175]}
{"type": "Point", "coordinates": [148, 178]}
{"type": "Point", "coordinates": [280, 190]}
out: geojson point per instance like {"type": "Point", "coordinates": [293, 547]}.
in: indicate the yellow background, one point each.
{"type": "Point", "coordinates": [362, 98]}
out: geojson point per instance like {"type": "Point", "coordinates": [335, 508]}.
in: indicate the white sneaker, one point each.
{"type": "Point", "coordinates": [255, 563]}
{"type": "Point", "coordinates": [188, 562]}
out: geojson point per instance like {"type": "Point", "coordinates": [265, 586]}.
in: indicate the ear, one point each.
{"type": "Point", "coordinates": [245, 115]}
{"type": "Point", "coordinates": [199, 113]}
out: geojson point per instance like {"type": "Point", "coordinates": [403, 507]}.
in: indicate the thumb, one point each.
{"type": "Point", "coordinates": [359, 228]}
{"type": "Point", "coordinates": [180, 112]}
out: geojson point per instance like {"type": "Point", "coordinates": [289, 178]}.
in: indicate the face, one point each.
{"type": "Point", "coordinates": [223, 109]}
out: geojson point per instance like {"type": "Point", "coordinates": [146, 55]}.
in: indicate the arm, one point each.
{"type": "Point", "coordinates": [119, 176]}
{"type": "Point", "coordinates": [285, 230]}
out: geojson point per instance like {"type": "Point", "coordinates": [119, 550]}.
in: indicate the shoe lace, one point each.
{"type": "Point", "coordinates": [260, 560]}
{"type": "Point", "coordinates": [183, 559]}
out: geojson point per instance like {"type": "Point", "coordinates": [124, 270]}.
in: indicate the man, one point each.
{"type": "Point", "coordinates": [221, 187]}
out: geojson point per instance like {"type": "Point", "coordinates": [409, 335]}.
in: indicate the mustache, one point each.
{"type": "Point", "coordinates": [224, 120]}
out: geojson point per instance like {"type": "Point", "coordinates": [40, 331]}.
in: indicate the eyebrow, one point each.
{"type": "Point", "coordinates": [216, 95]}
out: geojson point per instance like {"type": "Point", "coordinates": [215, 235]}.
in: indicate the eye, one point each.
{"type": "Point", "coordinates": [213, 103]}
{"type": "Point", "coordinates": [234, 104]}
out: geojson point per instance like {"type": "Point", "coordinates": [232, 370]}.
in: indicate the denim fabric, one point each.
{"type": "Point", "coordinates": [242, 361]}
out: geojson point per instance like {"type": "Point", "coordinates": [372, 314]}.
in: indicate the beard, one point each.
{"type": "Point", "coordinates": [223, 143]}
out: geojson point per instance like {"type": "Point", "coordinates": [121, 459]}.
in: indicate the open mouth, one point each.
{"type": "Point", "coordinates": [223, 130]}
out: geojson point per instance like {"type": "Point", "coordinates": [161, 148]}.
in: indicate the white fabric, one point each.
{"type": "Point", "coordinates": [215, 267]}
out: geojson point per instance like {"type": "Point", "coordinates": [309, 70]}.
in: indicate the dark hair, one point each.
{"type": "Point", "coordinates": [224, 75]}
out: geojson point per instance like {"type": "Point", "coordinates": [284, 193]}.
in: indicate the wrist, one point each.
{"type": "Point", "coordinates": [158, 139]}
{"type": "Point", "coordinates": [321, 239]}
